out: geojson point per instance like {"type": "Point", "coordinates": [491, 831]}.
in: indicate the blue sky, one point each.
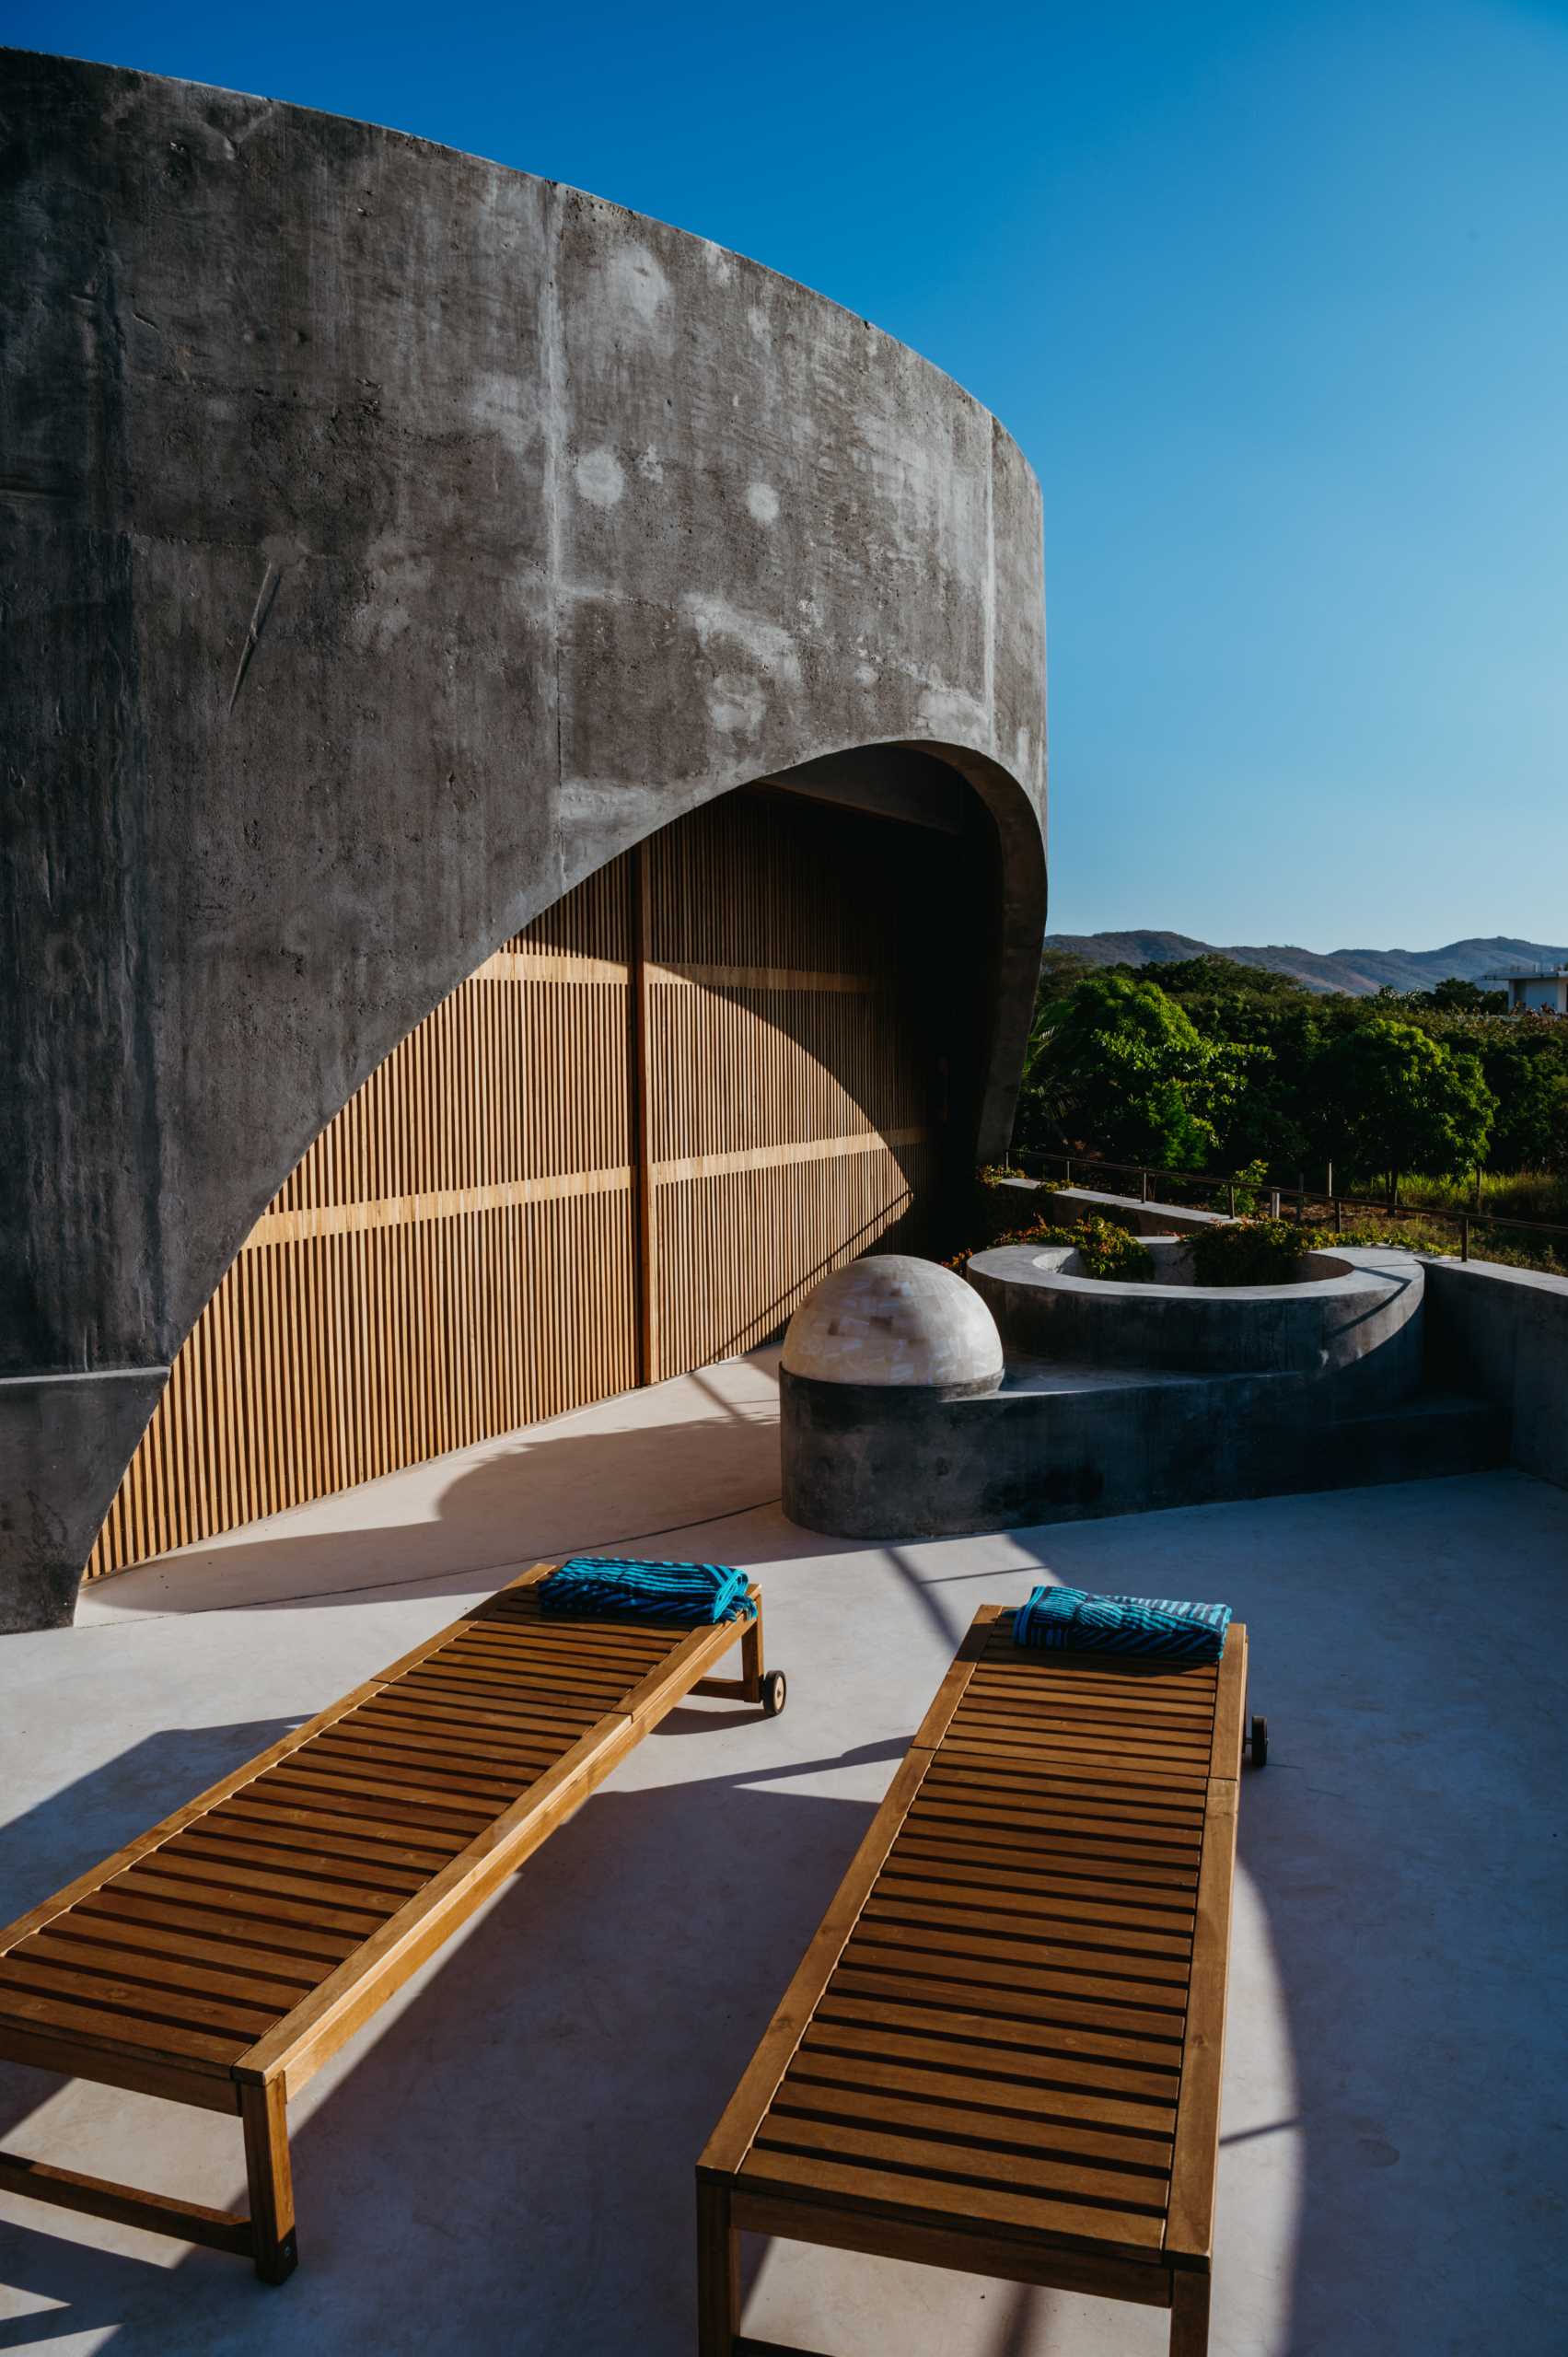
{"type": "Point", "coordinates": [1275, 298]}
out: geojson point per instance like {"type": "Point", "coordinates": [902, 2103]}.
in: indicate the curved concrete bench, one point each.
{"type": "Point", "coordinates": [1121, 1398]}
{"type": "Point", "coordinates": [1354, 1318]}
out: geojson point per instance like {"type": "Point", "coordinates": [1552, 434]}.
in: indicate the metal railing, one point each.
{"type": "Point", "coordinates": [1266, 1191]}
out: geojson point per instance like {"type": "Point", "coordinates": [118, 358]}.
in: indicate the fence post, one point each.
{"type": "Point", "coordinates": [1067, 1168]}
{"type": "Point", "coordinates": [1465, 1238]}
{"type": "Point", "coordinates": [1230, 1199]}
{"type": "Point", "coordinates": [1144, 1180]}
{"type": "Point", "coordinates": [1273, 1203]}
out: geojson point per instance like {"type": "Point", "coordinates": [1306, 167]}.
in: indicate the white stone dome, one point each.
{"type": "Point", "coordinates": [893, 1319]}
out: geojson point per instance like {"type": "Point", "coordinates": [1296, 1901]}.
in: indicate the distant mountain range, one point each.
{"type": "Point", "coordinates": [1358, 971]}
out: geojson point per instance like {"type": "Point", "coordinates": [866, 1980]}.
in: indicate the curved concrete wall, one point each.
{"type": "Point", "coordinates": [390, 539]}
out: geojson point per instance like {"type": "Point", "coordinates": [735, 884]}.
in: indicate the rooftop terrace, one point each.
{"type": "Point", "coordinates": [504, 2162]}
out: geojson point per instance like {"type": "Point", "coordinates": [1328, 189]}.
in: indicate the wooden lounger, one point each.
{"type": "Point", "coordinates": [1002, 2052]}
{"type": "Point", "coordinates": [224, 1956]}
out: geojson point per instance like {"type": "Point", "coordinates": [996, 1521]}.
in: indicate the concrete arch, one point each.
{"type": "Point", "coordinates": [394, 539]}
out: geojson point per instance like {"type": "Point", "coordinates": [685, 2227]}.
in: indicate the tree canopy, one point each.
{"type": "Point", "coordinates": [1398, 1099]}
{"type": "Point", "coordinates": [1121, 1065]}
{"type": "Point", "coordinates": [1209, 1063]}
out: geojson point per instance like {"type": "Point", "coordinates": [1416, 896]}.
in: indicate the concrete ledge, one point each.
{"type": "Point", "coordinates": [1354, 1319]}
{"type": "Point", "coordinates": [1039, 1199]}
{"type": "Point", "coordinates": [1066, 1444]}
{"type": "Point", "coordinates": [1502, 1333]}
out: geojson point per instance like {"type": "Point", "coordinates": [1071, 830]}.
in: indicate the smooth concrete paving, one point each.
{"type": "Point", "coordinates": [503, 2164]}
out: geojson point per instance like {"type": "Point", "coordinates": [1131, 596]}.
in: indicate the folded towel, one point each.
{"type": "Point", "coordinates": [1153, 1627]}
{"type": "Point", "coordinates": [612, 1587]}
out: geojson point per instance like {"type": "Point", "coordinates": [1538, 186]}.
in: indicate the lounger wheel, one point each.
{"type": "Point", "coordinates": [1258, 1742]}
{"type": "Point", "coordinates": [775, 1688]}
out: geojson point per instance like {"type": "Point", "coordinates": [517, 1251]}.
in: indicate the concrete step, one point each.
{"type": "Point", "coordinates": [1436, 1433]}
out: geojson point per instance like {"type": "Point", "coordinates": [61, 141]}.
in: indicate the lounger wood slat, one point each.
{"type": "Point", "coordinates": [818, 2096]}
{"type": "Point", "coordinates": [1046, 2066]}
{"type": "Point", "coordinates": [237, 1866]}
{"type": "Point", "coordinates": [1063, 1898]}
{"type": "Point", "coordinates": [220, 1899]}
{"type": "Point", "coordinates": [224, 1955]}
{"type": "Point", "coordinates": [217, 1977]}
{"type": "Point", "coordinates": [93, 1932]}
{"type": "Point", "coordinates": [825, 2065]}
{"type": "Point", "coordinates": [1002, 2052]}
{"type": "Point", "coordinates": [1089, 1860]}
{"type": "Point", "coordinates": [294, 1945]}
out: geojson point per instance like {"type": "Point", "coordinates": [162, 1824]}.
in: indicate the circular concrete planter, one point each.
{"type": "Point", "coordinates": [1343, 1308]}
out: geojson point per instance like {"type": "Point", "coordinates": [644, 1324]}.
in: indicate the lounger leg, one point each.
{"type": "Point", "coordinates": [718, 2273]}
{"type": "Point", "coordinates": [274, 2246]}
{"type": "Point", "coordinates": [751, 1657]}
{"type": "Point", "coordinates": [1189, 2314]}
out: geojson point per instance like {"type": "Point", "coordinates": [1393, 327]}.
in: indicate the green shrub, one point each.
{"type": "Point", "coordinates": [1268, 1251]}
{"type": "Point", "coordinates": [1248, 1181]}
{"type": "Point", "coordinates": [1251, 1252]}
{"type": "Point", "coordinates": [1105, 1249]}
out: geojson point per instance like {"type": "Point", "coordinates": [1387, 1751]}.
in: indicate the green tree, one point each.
{"type": "Point", "coordinates": [1120, 1067]}
{"type": "Point", "coordinates": [1531, 1128]}
{"type": "Point", "coordinates": [1397, 1100]}
{"type": "Point", "coordinates": [1457, 996]}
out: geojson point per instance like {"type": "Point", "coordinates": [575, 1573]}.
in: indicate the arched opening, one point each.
{"type": "Point", "coordinates": [627, 1145]}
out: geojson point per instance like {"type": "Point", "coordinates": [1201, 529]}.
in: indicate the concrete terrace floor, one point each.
{"type": "Point", "coordinates": [503, 2163]}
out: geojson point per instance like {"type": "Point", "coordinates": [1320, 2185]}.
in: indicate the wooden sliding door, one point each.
{"type": "Point", "coordinates": [630, 1143]}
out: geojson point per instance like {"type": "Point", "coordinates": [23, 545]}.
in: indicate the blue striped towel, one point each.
{"type": "Point", "coordinates": [615, 1587]}
{"type": "Point", "coordinates": [1154, 1627]}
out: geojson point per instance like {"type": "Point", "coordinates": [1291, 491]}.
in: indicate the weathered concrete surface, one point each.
{"type": "Point", "coordinates": [1492, 1332]}
{"type": "Point", "coordinates": [62, 1437]}
{"type": "Point", "coordinates": [1502, 1333]}
{"type": "Point", "coordinates": [387, 540]}
{"type": "Point", "coordinates": [502, 2167]}
{"type": "Point", "coordinates": [1353, 1326]}
{"type": "Point", "coordinates": [1062, 1442]}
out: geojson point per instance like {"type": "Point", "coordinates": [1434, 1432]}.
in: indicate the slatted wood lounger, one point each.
{"type": "Point", "coordinates": [1002, 2052]}
{"type": "Point", "coordinates": [220, 1959]}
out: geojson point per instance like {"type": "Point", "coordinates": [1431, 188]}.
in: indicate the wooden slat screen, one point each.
{"type": "Point", "coordinates": [790, 1113]}
{"type": "Point", "coordinates": [630, 1143]}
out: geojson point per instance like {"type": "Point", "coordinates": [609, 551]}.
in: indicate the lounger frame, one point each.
{"type": "Point", "coordinates": [1172, 2269]}
{"type": "Point", "coordinates": [257, 2086]}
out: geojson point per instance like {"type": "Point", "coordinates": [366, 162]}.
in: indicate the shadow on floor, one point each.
{"type": "Point", "coordinates": [1402, 1847]}
{"type": "Point", "coordinates": [1415, 1984]}
{"type": "Point", "coordinates": [502, 2162]}
{"type": "Point", "coordinates": [46, 1847]}
{"type": "Point", "coordinates": [87, 1821]}
{"type": "Point", "coordinates": [505, 2161]}
{"type": "Point", "coordinates": [523, 1500]}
